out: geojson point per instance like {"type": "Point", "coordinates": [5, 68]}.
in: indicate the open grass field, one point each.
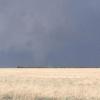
{"type": "Point", "coordinates": [49, 84]}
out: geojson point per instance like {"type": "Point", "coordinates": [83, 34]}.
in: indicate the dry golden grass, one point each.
{"type": "Point", "coordinates": [50, 84]}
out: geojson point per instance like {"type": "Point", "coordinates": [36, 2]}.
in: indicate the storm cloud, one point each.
{"type": "Point", "coordinates": [49, 32]}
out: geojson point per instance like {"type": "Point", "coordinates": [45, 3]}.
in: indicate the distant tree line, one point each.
{"type": "Point", "coordinates": [57, 66]}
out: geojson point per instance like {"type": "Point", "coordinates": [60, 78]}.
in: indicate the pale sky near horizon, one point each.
{"type": "Point", "coordinates": [50, 32]}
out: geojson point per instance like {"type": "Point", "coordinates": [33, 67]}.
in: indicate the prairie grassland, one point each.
{"type": "Point", "coordinates": [49, 84]}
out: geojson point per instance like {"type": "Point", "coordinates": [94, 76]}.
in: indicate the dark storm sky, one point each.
{"type": "Point", "coordinates": [50, 32]}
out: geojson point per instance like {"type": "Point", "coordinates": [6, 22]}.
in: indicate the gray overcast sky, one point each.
{"type": "Point", "coordinates": [50, 32]}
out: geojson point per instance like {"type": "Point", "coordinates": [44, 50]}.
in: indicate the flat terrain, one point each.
{"type": "Point", "coordinates": [50, 84]}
